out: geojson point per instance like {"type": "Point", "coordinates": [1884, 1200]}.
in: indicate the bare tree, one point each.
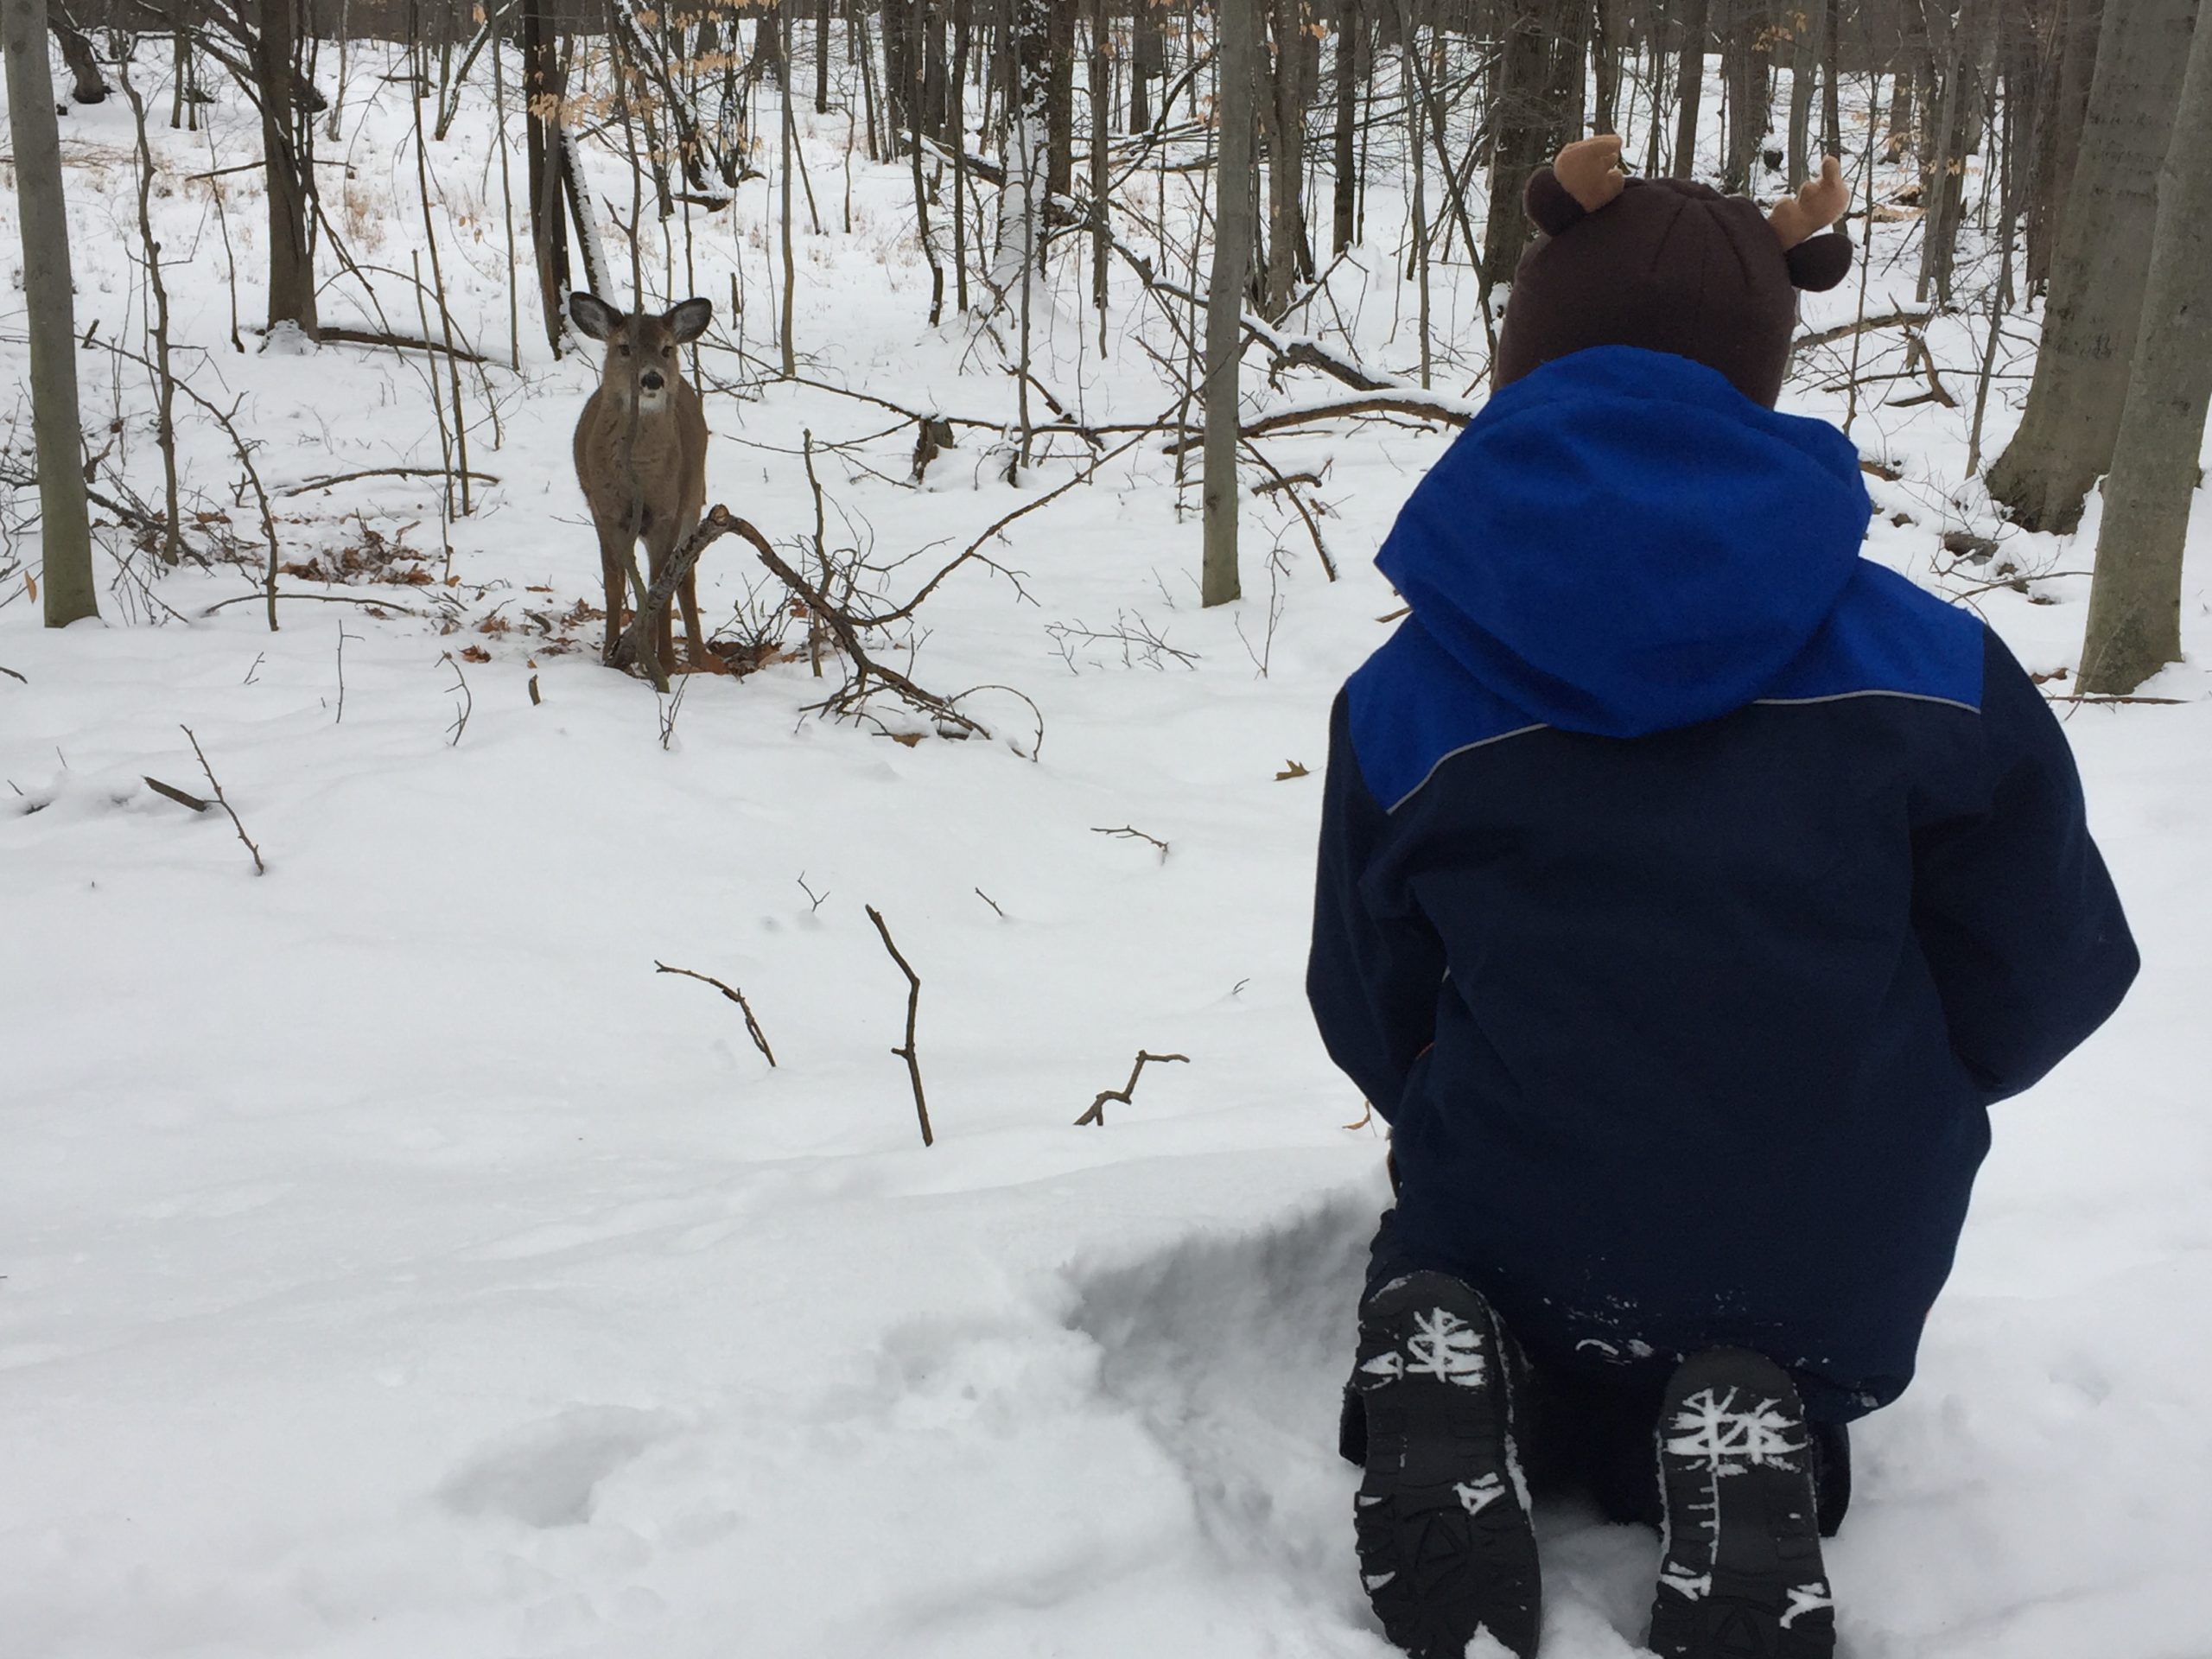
{"type": "Point", "coordinates": [2134, 625]}
{"type": "Point", "coordinates": [64, 527]}
{"type": "Point", "coordinates": [1238, 67]}
{"type": "Point", "coordinates": [2073, 413]}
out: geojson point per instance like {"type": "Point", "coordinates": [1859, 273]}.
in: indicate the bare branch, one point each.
{"type": "Point", "coordinates": [752, 1025]}
{"type": "Point", "coordinates": [259, 868]}
{"type": "Point", "coordinates": [913, 1005]}
{"type": "Point", "coordinates": [1097, 1113]}
{"type": "Point", "coordinates": [1129, 833]}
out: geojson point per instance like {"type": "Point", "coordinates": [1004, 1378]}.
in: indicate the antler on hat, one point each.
{"type": "Point", "coordinates": [1813, 209]}
{"type": "Point", "coordinates": [1589, 170]}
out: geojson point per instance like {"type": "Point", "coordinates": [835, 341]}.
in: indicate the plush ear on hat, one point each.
{"type": "Point", "coordinates": [1583, 178]}
{"type": "Point", "coordinates": [1816, 261]}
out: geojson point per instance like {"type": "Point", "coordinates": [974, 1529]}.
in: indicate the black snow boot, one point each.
{"type": "Point", "coordinates": [1740, 1574]}
{"type": "Point", "coordinates": [1446, 1548]}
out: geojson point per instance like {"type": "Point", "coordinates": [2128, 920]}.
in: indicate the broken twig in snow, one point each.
{"type": "Point", "coordinates": [752, 1025]}
{"type": "Point", "coordinates": [913, 1005]}
{"type": "Point", "coordinates": [1097, 1113]}
{"type": "Point", "coordinates": [171, 792]}
{"type": "Point", "coordinates": [1129, 832]}
{"type": "Point", "coordinates": [259, 868]}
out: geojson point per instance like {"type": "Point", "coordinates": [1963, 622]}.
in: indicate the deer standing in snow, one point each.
{"type": "Point", "coordinates": [641, 455]}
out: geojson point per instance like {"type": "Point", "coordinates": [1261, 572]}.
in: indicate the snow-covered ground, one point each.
{"type": "Point", "coordinates": [396, 1265]}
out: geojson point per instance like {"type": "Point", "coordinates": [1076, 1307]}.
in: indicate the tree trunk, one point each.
{"type": "Point", "coordinates": [87, 86]}
{"type": "Point", "coordinates": [1568, 98]}
{"type": "Point", "coordinates": [65, 537]}
{"type": "Point", "coordinates": [544, 85]}
{"type": "Point", "coordinates": [1804, 44]}
{"type": "Point", "coordinates": [1352, 29]}
{"type": "Point", "coordinates": [1027, 61]}
{"type": "Point", "coordinates": [291, 259]}
{"type": "Point", "coordinates": [1744, 69]}
{"type": "Point", "coordinates": [2134, 625]}
{"type": "Point", "coordinates": [1831, 82]}
{"type": "Point", "coordinates": [821, 57]}
{"type": "Point", "coordinates": [1697, 20]}
{"type": "Point", "coordinates": [1059, 106]}
{"type": "Point", "coordinates": [2063, 105]}
{"type": "Point", "coordinates": [2074, 403]}
{"type": "Point", "coordinates": [1239, 50]}
{"type": "Point", "coordinates": [1284, 94]}
{"type": "Point", "coordinates": [1102, 134]}
{"type": "Point", "coordinates": [1607, 26]}
{"type": "Point", "coordinates": [1147, 62]}
{"type": "Point", "coordinates": [1523, 125]}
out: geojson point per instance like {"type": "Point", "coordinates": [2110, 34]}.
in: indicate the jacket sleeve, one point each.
{"type": "Point", "coordinates": [2014, 913]}
{"type": "Point", "coordinates": [1374, 974]}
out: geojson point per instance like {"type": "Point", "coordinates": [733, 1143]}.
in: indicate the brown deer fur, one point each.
{"type": "Point", "coordinates": [641, 455]}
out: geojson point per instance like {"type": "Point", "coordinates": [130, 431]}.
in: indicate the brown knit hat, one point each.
{"type": "Point", "coordinates": [1669, 265]}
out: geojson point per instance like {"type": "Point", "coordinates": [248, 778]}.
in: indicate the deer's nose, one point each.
{"type": "Point", "coordinates": [651, 380]}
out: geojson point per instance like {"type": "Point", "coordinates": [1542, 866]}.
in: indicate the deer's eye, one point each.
{"type": "Point", "coordinates": [626, 351]}
{"type": "Point", "coordinates": [668, 351]}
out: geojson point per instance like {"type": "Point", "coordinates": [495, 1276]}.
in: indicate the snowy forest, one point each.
{"type": "Point", "coordinates": [665, 681]}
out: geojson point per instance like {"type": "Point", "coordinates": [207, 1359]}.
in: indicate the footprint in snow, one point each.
{"type": "Point", "coordinates": [548, 1473]}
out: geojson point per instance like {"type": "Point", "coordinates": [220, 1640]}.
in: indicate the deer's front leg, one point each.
{"type": "Point", "coordinates": [613, 580]}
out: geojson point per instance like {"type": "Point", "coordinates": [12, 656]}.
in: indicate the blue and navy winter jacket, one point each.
{"type": "Point", "coordinates": [1690, 886]}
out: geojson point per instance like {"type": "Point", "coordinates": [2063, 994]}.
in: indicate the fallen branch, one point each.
{"type": "Point", "coordinates": [325, 598]}
{"type": "Point", "coordinates": [2100, 696]}
{"type": "Point", "coordinates": [849, 641]}
{"type": "Point", "coordinates": [1097, 1113]}
{"type": "Point", "coordinates": [171, 792]}
{"type": "Point", "coordinates": [12, 675]}
{"type": "Point", "coordinates": [1277, 481]}
{"type": "Point", "coordinates": [752, 1025]}
{"type": "Point", "coordinates": [1862, 326]}
{"type": "Point", "coordinates": [328, 335]}
{"type": "Point", "coordinates": [378, 472]}
{"type": "Point", "coordinates": [913, 1004]}
{"type": "Point", "coordinates": [644, 622]}
{"type": "Point", "coordinates": [1127, 832]}
{"type": "Point", "coordinates": [259, 868]}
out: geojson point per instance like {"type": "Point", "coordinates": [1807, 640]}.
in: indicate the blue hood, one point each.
{"type": "Point", "coordinates": [1622, 542]}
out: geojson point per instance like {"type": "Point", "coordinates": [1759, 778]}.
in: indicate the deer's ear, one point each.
{"type": "Point", "coordinates": [689, 320]}
{"type": "Point", "coordinates": [597, 319]}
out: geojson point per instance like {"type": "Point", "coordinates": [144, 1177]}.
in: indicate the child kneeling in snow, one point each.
{"type": "Point", "coordinates": [1689, 888]}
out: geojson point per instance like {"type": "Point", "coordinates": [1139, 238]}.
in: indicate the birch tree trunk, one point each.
{"type": "Point", "coordinates": [2072, 420]}
{"type": "Point", "coordinates": [2134, 625]}
{"type": "Point", "coordinates": [1238, 48]}
{"type": "Point", "coordinates": [65, 537]}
